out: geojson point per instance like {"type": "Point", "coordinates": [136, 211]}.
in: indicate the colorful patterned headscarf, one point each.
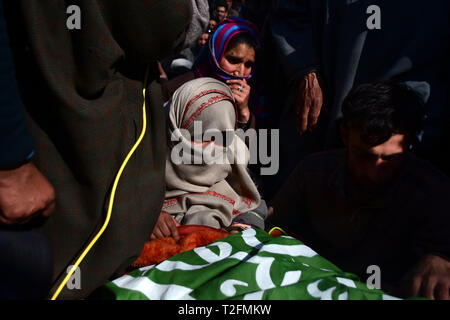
{"type": "Point", "coordinates": [207, 64]}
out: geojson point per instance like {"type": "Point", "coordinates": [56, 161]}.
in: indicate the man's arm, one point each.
{"type": "Point", "coordinates": [430, 277]}
{"type": "Point", "coordinates": [292, 31]}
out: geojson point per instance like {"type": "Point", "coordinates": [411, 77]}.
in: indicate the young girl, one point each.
{"type": "Point", "coordinates": [215, 193]}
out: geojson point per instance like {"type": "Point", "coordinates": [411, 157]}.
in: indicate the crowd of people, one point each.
{"type": "Point", "coordinates": [362, 114]}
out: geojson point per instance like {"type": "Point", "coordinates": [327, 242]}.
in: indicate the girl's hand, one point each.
{"type": "Point", "coordinates": [241, 92]}
{"type": "Point", "coordinates": [166, 226]}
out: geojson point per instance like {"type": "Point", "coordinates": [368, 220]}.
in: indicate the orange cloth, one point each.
{"type": "Point", "coordinates": [191, 236]}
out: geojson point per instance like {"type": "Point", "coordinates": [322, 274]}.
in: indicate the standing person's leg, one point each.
{"type": "Point", "coordinates": [26, 265]}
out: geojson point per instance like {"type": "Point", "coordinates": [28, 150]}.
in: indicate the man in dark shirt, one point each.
{"type": "Point", "coordinates": [374, 203]}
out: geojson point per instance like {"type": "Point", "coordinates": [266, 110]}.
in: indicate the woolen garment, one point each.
{"type": "Point", "coordinates": [82, 90]}
{"type": "Point", "coordinates": [210, 184]}
{"type": "Point", "coordinates": [198, 26]}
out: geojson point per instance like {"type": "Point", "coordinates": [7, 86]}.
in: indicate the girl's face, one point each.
{"type": "Point", "coordinates": [239, 60]}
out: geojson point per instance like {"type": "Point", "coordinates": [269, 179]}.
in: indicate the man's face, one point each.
{"type": "Point", "coordinates": [221, 13]}
{"type": "Point", "coordinates": [373, 167]}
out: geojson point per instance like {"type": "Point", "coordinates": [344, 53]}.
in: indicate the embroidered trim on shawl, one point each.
{"type": "Point", "coordinates": [201, 94]}
{"type": "Point", "coordinates": [204, 105]}
{"type": "Point", "coordinates": [172, 202]}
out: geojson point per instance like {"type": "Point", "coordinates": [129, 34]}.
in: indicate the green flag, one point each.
{"type": "Point", "coordinates": [247, 265]}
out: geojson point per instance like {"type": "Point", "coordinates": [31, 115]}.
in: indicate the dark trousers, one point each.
{"type": "Point", "coordinates": [26, 265]}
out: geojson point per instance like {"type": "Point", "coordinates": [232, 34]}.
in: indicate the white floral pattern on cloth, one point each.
{"type": "Point", "coordinates": [247, 265]}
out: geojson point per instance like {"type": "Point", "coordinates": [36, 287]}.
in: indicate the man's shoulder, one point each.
{"type": "Point", "coordinates": [323, 162]}
{"type": "Point", "coordinates": [424, 176]}
{"type": "Point", "coordinates": [420, 169]}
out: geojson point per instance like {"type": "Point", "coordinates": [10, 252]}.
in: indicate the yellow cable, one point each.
{"type": "Point", "coordinates": [111, 199]}
{"type": "Point", "coordinates": [279, 229]}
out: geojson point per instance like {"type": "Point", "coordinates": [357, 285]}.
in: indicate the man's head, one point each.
{"type": "Point", "coordinates": [221, 11]}
{"type": "Point", "coordinates": [380, 121]}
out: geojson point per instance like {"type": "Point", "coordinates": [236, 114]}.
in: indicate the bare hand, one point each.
{"type": "Point", "coordinates": [430, 279]}
{"type": "Point", "coordinates": [309, 102]}
{"type": "Point", "coordinates": [166, 226]}
{"type": "Point", "coordinates": [24, 193]}
{"type": "Point", "coordinates": [241, 92]}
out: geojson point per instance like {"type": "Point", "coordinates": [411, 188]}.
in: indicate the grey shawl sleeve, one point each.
{"type": "Point", "coordinates": [199, 22]}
